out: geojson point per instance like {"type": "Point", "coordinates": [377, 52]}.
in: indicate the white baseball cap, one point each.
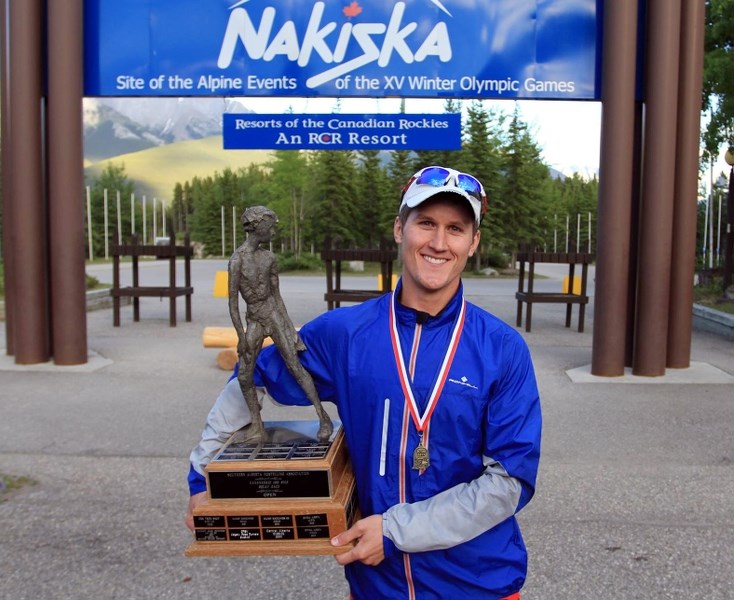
{"type": "Point", "coordinates": [433, 180]}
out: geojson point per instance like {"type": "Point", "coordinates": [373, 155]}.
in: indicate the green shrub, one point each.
{"type": "Point", "coordinates": [497, 259]}
{"type": "Point", "coordinates": [711, 294]}
{"type": "Point", "coordinates": [305, 262]}
{"type": "Point", "coordinates": [92, 282]}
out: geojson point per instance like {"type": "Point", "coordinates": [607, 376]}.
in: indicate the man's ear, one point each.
{"type": "Point", "coordinates": [475, 243]}
{"type": "Point", "coordinates": [397, 230]}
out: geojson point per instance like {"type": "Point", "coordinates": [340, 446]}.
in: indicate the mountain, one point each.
{"type": "Point", "coordinates": [108, 133]}
{"type": "Point", "coordinates": [156, 170]}
{"type": "Point", "coordinates": [117, 126]}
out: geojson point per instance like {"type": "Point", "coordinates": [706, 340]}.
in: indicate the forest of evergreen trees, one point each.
{"type": "Point", "coordinates": [351, 198]}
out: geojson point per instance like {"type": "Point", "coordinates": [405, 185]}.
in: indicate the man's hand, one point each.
{"type": "Point", "coordinates": [194, 501]}
{"type": "Point", "coordinates": [369, 549]}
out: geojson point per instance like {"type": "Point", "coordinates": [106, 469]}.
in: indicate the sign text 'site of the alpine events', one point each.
{"type": "Point", "coordinates": [345, 48]}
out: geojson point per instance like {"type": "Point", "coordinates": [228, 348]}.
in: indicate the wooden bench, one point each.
{"type": "Point", "coordinates": [333, 258]}
{"type": "Point", "coordinates": [168, 252]}
{"type": "Point", "coordinates": [567, 297]}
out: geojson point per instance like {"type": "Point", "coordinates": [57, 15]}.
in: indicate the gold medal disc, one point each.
{"type": "Point", "coordinates": [420, 457]}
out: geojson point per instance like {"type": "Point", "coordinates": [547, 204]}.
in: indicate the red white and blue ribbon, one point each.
{"type": "Point", "coordinates": [421, 420]}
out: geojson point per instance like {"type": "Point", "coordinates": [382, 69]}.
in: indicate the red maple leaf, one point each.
{"type": "Point", "coordinates": [352, 10]}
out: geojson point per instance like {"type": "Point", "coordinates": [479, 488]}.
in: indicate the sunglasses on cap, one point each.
{"type": "Point", "coordinates": [443, 177]}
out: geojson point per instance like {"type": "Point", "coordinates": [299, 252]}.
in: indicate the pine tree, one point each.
{"type": "Point", "coordinates": [289, 178]}
{"type": "Point", "coordinates": [179, 208]}
{"type": "Point", "coordinates": [480, 156]}
{"type": "Point", "coordinates": [206, 218]}
{"type": "Point", "coordinates": [372, 200]}
{"type": "Point", "coordinates": [520, 207]}
{"type": "Point", "coordinates": [333, 178]}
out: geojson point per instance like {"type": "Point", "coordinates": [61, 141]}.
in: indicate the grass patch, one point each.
{"type": "Point", "coordinates": [10, 484]}
{"type": "Point", "coordinates": [712, 296]}
{"type": "Point", "coordinates": [92, 283]}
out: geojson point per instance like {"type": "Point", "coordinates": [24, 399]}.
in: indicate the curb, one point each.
{"type": "Point", "coordinates": [713, 321]}
{"type": "Point", "coordinates": [96, 299]}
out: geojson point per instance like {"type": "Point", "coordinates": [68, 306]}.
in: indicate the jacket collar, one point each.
{"type": "Point", "coordinates": [410, 316]}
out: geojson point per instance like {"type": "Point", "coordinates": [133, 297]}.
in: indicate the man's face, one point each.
{"type": "Point", "coordinates": [436, 241]}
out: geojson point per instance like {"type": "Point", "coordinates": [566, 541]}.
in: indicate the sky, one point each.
{"type": "Point", "coordinates": [568, 132]}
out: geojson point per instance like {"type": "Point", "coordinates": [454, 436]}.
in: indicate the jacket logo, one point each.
{"type": "Point", "coordinates": [464, 381]}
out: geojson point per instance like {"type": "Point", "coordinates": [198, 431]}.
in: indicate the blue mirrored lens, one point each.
{"type": "Point", "coordinates": [469, 184]}
{"type": "Point", "coordinates": [439, 176]}
{"type": "Point", "coordinates": [435, 176]}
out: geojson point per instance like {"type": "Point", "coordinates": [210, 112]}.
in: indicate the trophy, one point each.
{"type": "Point", "coordinates": [283, 487]}
{"type": "Point", "coordinates": [288, 493]}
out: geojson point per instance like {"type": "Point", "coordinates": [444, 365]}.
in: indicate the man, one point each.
{"type": "Point", "coordinates": [440, 411]}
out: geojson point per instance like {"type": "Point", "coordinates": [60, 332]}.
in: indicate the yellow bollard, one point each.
{"type": "Point", "coordinates": [221, 284]}
{"type": "Point", "coordinates": [576, 285]}
{"type": "Point", "coordinates": [394, 282]}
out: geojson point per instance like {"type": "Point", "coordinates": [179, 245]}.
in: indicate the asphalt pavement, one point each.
{"type": "Point", "coordinates": [635, 495]}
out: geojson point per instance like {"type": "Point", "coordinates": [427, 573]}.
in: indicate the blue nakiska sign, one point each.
{"type": "Point", "coordinates": [340, 48]}
{"type": "Point", "coordinates": [341, 132]}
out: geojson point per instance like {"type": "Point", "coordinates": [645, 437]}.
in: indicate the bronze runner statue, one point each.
{"type": "Point", "coordinates": [253, 274]}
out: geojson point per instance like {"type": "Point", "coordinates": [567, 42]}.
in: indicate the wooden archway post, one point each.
{"type": "Point", "coordinates": [646, 231]}
{"type": "Point", "coordinates": [43, 236]}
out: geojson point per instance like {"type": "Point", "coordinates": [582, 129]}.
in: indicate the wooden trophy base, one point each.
{"type": "Point", "coordinates": [281, 506]}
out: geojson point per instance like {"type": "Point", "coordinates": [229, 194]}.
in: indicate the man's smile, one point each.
{"type": "Point", "coordinates": [433, 260]}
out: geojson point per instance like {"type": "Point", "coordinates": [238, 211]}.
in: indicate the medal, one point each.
{"type": "Point", "coordinates": [420, 456]}
{"type": "Point", "coordinates": [421, 460]}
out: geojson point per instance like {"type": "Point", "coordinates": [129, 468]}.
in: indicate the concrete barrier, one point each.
{"type": "Point", "coordinates": [713, 321]}
{"type": "Point", "coordinates": [97, 299]}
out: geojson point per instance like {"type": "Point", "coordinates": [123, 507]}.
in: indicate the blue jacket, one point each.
{"type": "Point", "coordinates": [450, 530]}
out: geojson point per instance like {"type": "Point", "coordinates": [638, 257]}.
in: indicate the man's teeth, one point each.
{"type": "Point", "coordinates": [435, 261]}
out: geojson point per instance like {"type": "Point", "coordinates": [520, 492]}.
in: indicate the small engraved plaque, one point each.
{"type": "Point", "coordinates": [277, 520]}
{"type": "Point", "coordinates": [209, 521]}
{"type": "Point", "coordinates": [311, 520]}
{"type": "Point", "coordinates": [279, 533]}
{"type": "Point", "coordinates": [245, 535]}
{"type": "Point", "coordinates": [305, 533]}
{"type": "Point", "coordinates": [211, 535]}
{"type": "Point", "coordinates": [246, 521]}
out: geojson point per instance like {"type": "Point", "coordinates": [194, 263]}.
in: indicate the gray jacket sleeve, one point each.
{"type": "Point", "coordinates": [455, 515]}
{"type": "Point", "coordinates": [229, 414]}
